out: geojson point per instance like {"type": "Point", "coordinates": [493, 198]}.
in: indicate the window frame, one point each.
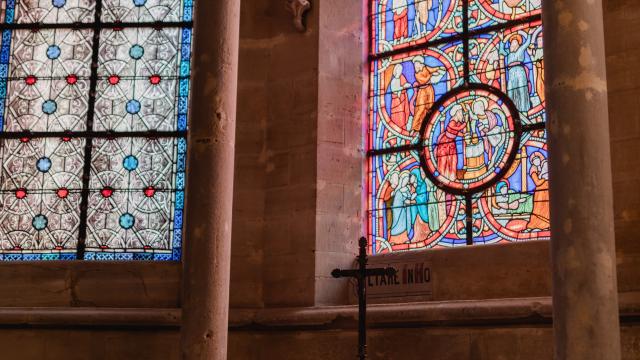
{"type": "Point", "coordinates": [465, 37]}
{"type": "Point", "coordinates": [89, 134]}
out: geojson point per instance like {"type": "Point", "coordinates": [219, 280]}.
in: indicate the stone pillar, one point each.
{"type": "Point", "coordinates": [207, 249]}
{"type": "Point", "coordinates": [585, 298]}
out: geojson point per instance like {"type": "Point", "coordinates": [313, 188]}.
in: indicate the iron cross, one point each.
{"type": "Point", "coordinates": [360, 274]}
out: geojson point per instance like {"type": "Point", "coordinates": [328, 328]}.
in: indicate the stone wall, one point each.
{"type": "Point", "coordinates": [622, 29]}
{"type": "Point", "coordinates": [443, 343]}
{"type": "Point", "coordinates": [298, 211]}
{"type": "Point", "coordinates": [531, 342]}
{"type": "Point", "coordinates": [274, 205]}
{"type": "Point", "coordinates": [340, 157]}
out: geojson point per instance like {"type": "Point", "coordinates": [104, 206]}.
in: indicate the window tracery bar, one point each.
{"type": "Point", "coordinates": [456, 144]}
{"type": "Point", "coordinates": [93, 124]}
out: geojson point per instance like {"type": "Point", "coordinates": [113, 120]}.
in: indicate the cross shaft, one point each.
{"type": "Point", "coordinates": [360, 274]}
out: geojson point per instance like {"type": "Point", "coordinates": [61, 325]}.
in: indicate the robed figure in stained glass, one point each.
{"type": "Point", "coordinates": [423, 9]}
{"type": "Point", "coordinates": [540, 175]}
{"type": "Point", "coordinates": [388, 197]}
{"type": "Point", "coordinates": [426, 76]}
{"type": "Point", "coordinates": [400, 107]}
{"type": "Point", "coordinates": [421, 195]}
{"type": "Point", "coordinates": [505, 201]}
{"type": "Point", "coordinates": [517, 78]}
{"type": "Point", "coordinates": [400, 19]}
{"type": "Point", "coordinates": [490, 126]}
{"type": "Point", "coordinates": [435, 206]}
{"type": "Point", "coordinates": [403, 213]}
{"type": "Point", "coordinates": [537, 55]}
{"type": "Point", "coordinates": [446, 147]}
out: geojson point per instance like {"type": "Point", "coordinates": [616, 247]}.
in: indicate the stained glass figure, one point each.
{"type": "Point", "coordinates": [404, 87]}
{"type": "Point", "coordinates": [93, 157]}
{"type": "Point", "coordinates": [456, 144]}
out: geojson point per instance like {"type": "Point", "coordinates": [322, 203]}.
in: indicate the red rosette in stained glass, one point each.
{"type": "Point", "coordinates": [155, 79]}
{"type": "Point", "coordinates": [30, 80]}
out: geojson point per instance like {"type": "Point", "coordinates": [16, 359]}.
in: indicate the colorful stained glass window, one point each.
{"type": "Point", "coordinates": [457, 151]}
{"type": "Point", "coordinates": [93, 124]}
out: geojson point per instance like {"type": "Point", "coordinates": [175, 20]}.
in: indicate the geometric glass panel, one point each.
{"type": "Point", "coordinates": [93, 158]}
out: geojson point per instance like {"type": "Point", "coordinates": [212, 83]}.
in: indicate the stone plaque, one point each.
{"type": "Point", "coordinates": [413, 279]}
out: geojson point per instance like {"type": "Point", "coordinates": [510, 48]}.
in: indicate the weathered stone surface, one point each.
{"type": "Point", "coordinates": [108, 344]}
{"type": "Point", "coordinates": [209, 191]}
{"type": "Point", "coordinates": [582, 223]}
{"type": "Point", "coordinates": [490, 343]}
{"type": "Point", "coordinates": [621, 25]}
{"type": "Point", "coordinates": [100, 284]}
{"type": "Point", "coordinates": [474, 343]}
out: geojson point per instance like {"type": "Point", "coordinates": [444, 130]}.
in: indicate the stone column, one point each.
{"type": "Point", "coordinates": [207, 248]}
{"type": "Point", "coordinates": [585, 298]}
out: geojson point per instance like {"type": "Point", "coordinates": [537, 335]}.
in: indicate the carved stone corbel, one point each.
{"type": "Point", "coordinates": [298, 8]}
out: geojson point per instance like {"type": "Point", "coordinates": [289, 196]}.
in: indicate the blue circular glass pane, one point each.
{"type": "Point", "coordinates": [136, 52]}
{"type": "Point", "coordinates": [126, 221]}
{"type": "Point", "coordinates": [39, 222]}
{"type": "Point", "coordinates": [43, 164]}
{"type": "Point", "coordinates": [53, 52]}
{"type": "Point", "coordinates": [130, 162]}
{"type": "Point", "coordinates": [49, 107]}
{"type": "Point", "coordinates": [59, 3]}
{"type": "Point", "coordinates": [133, 106]}
{"type": "Point", "coordinates": [139, 2]}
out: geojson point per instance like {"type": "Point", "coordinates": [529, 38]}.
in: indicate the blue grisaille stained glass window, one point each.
{"type": "Point", "coordinates": [457, 150]}
{"type": "Point", "coordinates": [93, 124]}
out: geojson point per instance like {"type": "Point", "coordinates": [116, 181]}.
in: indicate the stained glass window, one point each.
{"type": "Point", "coordinates": [93, 123]}
{"type": "Point", "coordinates": [457, 150]}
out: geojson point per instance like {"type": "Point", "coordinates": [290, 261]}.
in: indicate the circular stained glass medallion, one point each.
{"type": "Point", "coordinates": [127, 221]}
{"type": "Point", "coordinates": [130, 163]}
{"type": "Point", "coordinates": [133, 106]}
{"type": "Point", "coordinates": [136, 52]}
{"type": "Point", "coordinates": [40, 222]}
{"type": "Point", "coordinates": [469, 139]}
{"type": "Point", "coordinates": [53, 52]}
{"type": "Point", "coordinates": [43, 164]}
{"type": "Point", "coordinates": [49, 107]}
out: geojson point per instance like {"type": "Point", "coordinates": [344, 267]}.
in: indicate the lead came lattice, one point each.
{"type": "Point", "coordinates": [93, 156]}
